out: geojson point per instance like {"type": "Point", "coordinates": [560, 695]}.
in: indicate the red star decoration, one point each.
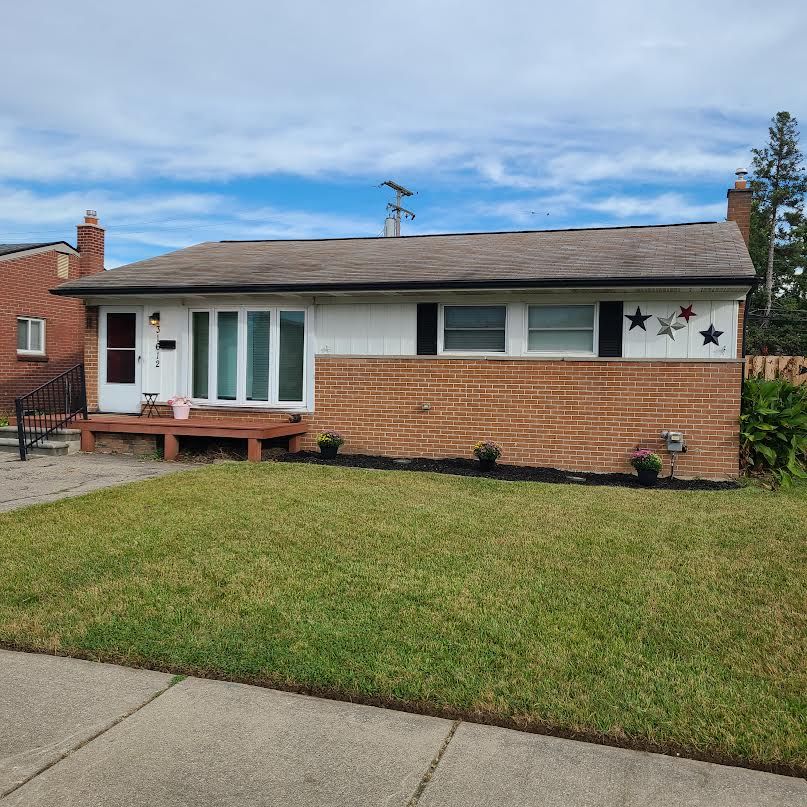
{"type": "Point", "coordinates": [687, 312]}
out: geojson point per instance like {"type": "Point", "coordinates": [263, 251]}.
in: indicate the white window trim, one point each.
{"type": "Point", "coordinates": [576, 353]}
{"type": "Point", "coordinates": [241, 376]}
{"type": "Point", "coordinates": [441, 351]}
{"type": "Point", "coordinates": [28, 351]}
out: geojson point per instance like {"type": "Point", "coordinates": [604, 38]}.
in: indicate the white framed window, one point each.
{"type": "Point", "coordinates": [562, 329]}
{"type": "Point", "coordinates": [473, 329]}
{"type": "Point", "coordinates": [249, 356]}
{"type": "Point", "coordinates": [31, 336]}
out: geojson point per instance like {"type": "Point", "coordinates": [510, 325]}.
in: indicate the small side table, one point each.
{"type": "Point", "coordinates": [150, 406]}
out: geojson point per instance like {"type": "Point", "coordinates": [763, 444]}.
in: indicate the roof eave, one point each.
{"type": "Point", "coordinates": [313, 288]}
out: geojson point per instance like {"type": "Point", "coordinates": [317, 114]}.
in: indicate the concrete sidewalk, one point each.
{"type": "Point", "coordinates": [80, 733]}
{"type": "Point", "coordinates": [46, 479]}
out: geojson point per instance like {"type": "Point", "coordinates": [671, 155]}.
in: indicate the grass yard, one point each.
{"type": "Point", "coordinates": [673, 620]}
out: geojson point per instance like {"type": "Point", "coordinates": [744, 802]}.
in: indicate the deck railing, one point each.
{"type": "Point", "coordinates": [50, 407]}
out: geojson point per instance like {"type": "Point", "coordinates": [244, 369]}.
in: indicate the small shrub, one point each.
{"type": "Point", "coordinates": [330, 438]}
{"type": "Point", "coordinates": [486, 450]}
{"type": "Point", "coordinates": [643, 459]}
{"type": "Point", "coordinates": [773, 430]}
{"type": "Point", "coordinates": [4, 418]}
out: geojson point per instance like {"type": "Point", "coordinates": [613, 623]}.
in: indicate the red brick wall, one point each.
{"type": "Point", "coordinates": [577, 415]}
{"type": "Point", "coordinates": [25, 292]}
{"type": "Point", "coordinates": [91, 357]}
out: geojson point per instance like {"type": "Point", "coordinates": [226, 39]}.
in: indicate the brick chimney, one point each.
{"type": "Point", "coordinates": [740, 204]}
{"type": "Point", "coordinates": [90, 244]}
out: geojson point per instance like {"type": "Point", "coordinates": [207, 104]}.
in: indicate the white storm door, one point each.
{"type": "Point", "coordinates": [120, 359]}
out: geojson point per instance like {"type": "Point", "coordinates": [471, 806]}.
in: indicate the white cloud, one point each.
{"type": "Point", "coordinates": [524, 92]}
{"type": "Point", "coordinates": [612, 112]}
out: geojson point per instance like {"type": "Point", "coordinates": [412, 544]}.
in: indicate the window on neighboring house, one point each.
{"type": "Point", "coordinates": [30, 335]}
{"type": "Point", "coordinates": [248, 355]}
{"type": "Point", "coordinates": [560, 329]}
{"type": "Point", "coordinates": [474, 328]}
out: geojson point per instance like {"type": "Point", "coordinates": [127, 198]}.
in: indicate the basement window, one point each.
{"type": "Point", "coordinates": [474, 328]}
{"type": "Point", "coordinates": [31, 336]}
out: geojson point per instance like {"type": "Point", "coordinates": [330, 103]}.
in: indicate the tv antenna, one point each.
{"type": "Point", "coordinates": [392, 224]}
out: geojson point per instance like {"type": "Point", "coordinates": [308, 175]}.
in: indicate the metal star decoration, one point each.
{"type": "Point", "coordinates": [687, 312]}
{"type": "Point", "coordinates": [669, 326]}
{"type": "Point", "coordinates": [638, 319]}
{"type": "Point", "coordinates": [711, 335]}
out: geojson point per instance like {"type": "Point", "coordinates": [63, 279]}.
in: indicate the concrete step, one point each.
{"type": "Point", "coordinates": [61, 435]}
{"type": "Point", "coordinates": [47, 448]}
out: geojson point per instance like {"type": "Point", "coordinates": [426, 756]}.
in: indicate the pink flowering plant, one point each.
{"type": "Point", "coordinates": [330, 438]}
{"type": "Point", "coordinates": [643, 459]}
{"type": "Point", "coordinates": [179, 400]}
{"type": "Point", "coordinates": [487, 450]}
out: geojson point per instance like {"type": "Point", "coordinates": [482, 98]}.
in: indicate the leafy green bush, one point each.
{"type": "Point", "coordinates": [773, 429]}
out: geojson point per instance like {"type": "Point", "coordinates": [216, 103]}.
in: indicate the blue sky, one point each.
{"type": "Point", "coordinates": [184, 122]}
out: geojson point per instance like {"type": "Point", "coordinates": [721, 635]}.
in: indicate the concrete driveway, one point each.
{"type": "Point", "coordinates": [78, 733]}
{"type": "Point", "coordinates": [45, 479]}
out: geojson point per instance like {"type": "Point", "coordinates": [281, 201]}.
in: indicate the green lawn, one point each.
{"type": "Point", "coordinates": [651, 617]}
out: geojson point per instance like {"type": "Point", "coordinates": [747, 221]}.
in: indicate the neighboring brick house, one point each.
{"type": "Point", "coordinates": [570, 348]}
{"type": "Point", "coordinates": [42, 335]}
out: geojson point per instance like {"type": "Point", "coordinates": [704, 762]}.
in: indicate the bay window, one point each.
{"type": "Point", "coordinates": [560, 329]}
{"type": "Point", "coordinates": [248, 355]}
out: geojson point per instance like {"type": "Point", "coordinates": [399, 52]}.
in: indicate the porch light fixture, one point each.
{"type": "Point", "coordinates": [154, 319]}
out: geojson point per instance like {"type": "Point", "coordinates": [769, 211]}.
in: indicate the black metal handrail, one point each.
{"type": "Point", "coordinates": [50, 407]}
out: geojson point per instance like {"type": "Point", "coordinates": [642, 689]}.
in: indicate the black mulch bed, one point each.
{"type": "Point", "coordinates": [510, 473]}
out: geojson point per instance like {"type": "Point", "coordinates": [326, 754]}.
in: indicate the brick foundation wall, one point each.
{"type": "Point", "coordinates": [137, 444]}
{"type": "Point", "coordinates": [25, 292]}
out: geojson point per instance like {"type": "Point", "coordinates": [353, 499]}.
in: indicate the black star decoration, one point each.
{"type": "Point", "coordinates": [638, 319]}
{"type": "Point", "coordinates": [711, 335]}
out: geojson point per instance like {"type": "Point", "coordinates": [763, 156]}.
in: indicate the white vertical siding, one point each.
{"type": "Point", "coordinates": [688, 341]}
{"type": "Point", "coordinates": [367, 329]}
{"type": "Point", "coordinates": [169, 378]}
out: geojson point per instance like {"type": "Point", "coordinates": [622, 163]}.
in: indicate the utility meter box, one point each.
{"type": "Point", "coordinates": [675, 441]}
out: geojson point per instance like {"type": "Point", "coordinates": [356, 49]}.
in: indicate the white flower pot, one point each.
{"type": "Point", "coordinates": [181, 411]}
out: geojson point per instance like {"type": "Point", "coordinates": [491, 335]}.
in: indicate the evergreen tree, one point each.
{"type": "Point", "coordinates": [778, 224]}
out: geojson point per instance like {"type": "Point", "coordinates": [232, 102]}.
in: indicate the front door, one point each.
{"type": "Point", "coordinates": [119, 359]}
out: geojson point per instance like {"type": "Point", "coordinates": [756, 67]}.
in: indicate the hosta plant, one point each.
{"type": "Point", "coordinates": [773, 430]}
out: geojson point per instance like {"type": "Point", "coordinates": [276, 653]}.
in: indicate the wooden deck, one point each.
{"type": "Point", "coordinates": [252, 431]}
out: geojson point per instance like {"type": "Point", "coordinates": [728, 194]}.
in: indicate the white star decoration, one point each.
{"type": "Point", "coordinates": [669, 326]}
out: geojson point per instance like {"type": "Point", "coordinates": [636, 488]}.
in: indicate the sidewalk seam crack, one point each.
{"type": "Point", "coordinates": [95, 736]}
{"type": "Point", "coordinates": [427, 777]}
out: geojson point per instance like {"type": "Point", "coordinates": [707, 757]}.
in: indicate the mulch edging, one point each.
{"type": "Point", "coordinates": [509, 473]}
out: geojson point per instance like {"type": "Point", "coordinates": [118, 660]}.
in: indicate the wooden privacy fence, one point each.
{"type": "Point", "coordinates": [793, 368]}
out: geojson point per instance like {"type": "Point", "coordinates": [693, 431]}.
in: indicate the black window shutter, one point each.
{"type": "Point", "coordinates": [611, 329]}
{"type": "Point", "coordinates": [427, 329]}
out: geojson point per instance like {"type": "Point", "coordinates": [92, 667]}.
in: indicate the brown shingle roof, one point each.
{"type": "Point", "coordinates": [697, 253]}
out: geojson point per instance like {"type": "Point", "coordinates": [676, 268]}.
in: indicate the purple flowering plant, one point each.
{"type": "Point", "coordinates": [643, 459]}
